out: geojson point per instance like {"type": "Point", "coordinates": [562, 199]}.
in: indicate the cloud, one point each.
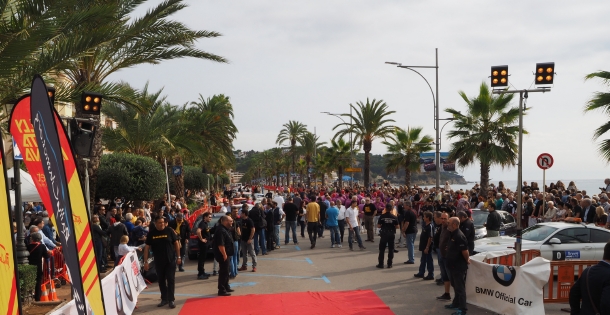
{"type": "Point", "coordinates": [294, 59]}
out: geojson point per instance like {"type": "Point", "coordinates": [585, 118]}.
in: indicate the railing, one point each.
{"type": "Point", "coordinates": [566, 272]}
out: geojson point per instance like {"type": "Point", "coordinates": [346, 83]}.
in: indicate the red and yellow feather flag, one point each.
{"type": "Point", "coordinates": [9, 301]}
{"type": "Point", "coordinates": [40, 136]}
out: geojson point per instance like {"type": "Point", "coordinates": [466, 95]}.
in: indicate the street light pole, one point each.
{"type": "Point", "coordinates": [436, 111]}
{"type": "Point", "coordinates": [351, 143]}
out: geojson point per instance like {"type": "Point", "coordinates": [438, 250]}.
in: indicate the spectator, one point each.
{"type": "Point", "coordinates": [37, 253]}
{"type": "Point", "coordinates": [116, 231]}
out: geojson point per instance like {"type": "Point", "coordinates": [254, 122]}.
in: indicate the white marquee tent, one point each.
{"type": "Point", "coordinates": [28, 189]}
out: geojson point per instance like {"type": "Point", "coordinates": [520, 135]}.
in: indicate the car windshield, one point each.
{"type": "Point", "coordinates": [538, 232]}
{"type": "Point", "coordinates": [479, 217]}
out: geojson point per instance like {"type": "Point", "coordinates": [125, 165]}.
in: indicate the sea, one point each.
{"type": "Point", "coordinates": [590, 185]}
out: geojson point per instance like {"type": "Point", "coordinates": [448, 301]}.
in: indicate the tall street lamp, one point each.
{"type": "Point", "coordinates": [351, 144]}
{"type": "Point", "coordinates": [436, 111]}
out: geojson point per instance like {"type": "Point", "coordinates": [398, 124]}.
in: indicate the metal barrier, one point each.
{"type": "Point", "coordinates": [566, 272]}
{"type": "Point", "coordinates": [509, 260]}
{"type": "Point", "coordinates": [55, 269]}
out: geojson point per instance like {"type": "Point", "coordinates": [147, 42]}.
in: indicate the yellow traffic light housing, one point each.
{"type": "Point", "coordinates": [499, 76]}
{"type": "Point", "coordinates": [545, 73]}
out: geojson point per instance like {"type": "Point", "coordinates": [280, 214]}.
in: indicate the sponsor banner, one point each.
{"type": "Point", "coordinates": [66, 202]}
{"type": "Point", "coordinates": [23, 134]}
{"type": "Point", "coordinates": [507, 289]}
{"type": "Point", "coordinates": [9, 302]}
{"type": "Point", "coordinates": [121, 288]}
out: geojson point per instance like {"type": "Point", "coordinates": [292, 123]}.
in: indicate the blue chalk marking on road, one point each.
{"type": "Point", "coordinates": [325, 279]}
{"type": "Point", "coordinates": [309, 261]}
{"type": "Point", "coordinates": [242, 284]}
{"type": "Point", "coordinates": [297, 247]}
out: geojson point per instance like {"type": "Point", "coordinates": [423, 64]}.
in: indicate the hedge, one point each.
{"type": "Point", "coordinates": [27, 282]}
{"type": "Point", "coordinates": [131, 176]}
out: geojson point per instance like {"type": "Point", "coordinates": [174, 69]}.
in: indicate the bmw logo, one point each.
{"type": "Point", "coordinates": [504, 275]}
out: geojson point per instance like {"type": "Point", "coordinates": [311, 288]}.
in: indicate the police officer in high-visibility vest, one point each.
{"type": "Point", "coordinates": [388, 223]}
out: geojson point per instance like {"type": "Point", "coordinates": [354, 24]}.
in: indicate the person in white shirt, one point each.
{"type": "Point", "coordinates": [124, 249]}
{"type": "Point", "coordinates": [280, 200]}
{"type": "Point", "coordinates": [223, 208]}
{"type": "Point", "coordinates": [341, 218]}
{"type": "Point", "coordinates": [351, 217]}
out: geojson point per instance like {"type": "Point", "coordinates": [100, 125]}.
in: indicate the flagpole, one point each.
{"type": "Point", "coordinates": [169, 196]}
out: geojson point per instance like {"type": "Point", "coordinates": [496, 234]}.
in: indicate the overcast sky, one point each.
{"type": "Point", "coordinates": [291, 60]}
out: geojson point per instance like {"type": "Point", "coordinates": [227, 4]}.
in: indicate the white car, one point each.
{"type": "Point", "coordinates": [555, 241]}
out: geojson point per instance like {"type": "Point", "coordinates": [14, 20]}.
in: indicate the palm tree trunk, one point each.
{"type": "Point", "coordinates": [484, 179]}
{"type": "Point", "coordinates": [179, 180]}
{"type": "Point", "coordinates": [340, 173]}
{"type": "Point", "coordinates": [367, 146]}
{"type": "Point", "coordinates": [308, 160]}
{"type": "Point", "coordinates": [407, 176]}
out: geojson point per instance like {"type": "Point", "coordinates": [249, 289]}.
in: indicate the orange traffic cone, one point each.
{"type": "Point", "coordinates": [44, 297]}
{"type": "Point", "coordinates": [53, 293]}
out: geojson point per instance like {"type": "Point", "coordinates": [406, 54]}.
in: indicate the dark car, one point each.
{"type": "Point", "coordinates": [193, 243]}
{"type": "Point", "coordinates": [508, 226]}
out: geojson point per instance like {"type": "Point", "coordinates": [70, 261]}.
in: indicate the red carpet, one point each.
{"type": "Point", "coordinates": [357, 302]}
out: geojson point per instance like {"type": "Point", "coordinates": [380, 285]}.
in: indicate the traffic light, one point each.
{"type": "Point", "coordinates": [91, 102]}
{"type": "Point", "coordinates": [499, 76]}
{"type": "Point", "coordinates": [51, 93]}
{"type": "Point", "coordinates": [545, 73]}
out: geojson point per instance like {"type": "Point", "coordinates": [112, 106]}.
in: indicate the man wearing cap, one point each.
{"type": "Point", "coordinates": [183, 232]}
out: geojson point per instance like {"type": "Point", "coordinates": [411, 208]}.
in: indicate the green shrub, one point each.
{"type": "Point", "coordinates": [131, 176]}
{"type": "Point", "coordinates": [27, 282]}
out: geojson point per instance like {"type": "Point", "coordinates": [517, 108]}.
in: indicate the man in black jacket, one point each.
{"type": "Point", "coordinates": [183, 230]}
{"type": "Point", "coordinates": [98, 235]}
{"type": "Point", "coordinates": [590, 294]}
{"type": "Point", "coordinates": [467, 228]}
{"type": "Point", "coordinates": [223, 248]}
{"type": "Point", "coordinates": [588, 211]}
{"type": "Point", "coordinates": [203, 233]}
{"type": "Point", "coordinates": [494, 220]}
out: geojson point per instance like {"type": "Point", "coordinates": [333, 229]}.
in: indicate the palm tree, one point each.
{"type": "Point", "coordinates": [291, 132]}
{"type": "Point", "coordinates": [340, 158]}
{"type": "Point", "coordinates": [404, 151]}
{"type": "Point", "coordinates": [601, 101]}
{"type": "Point", "coordinates": [309, 146]}
{"type": "Point", "coordinates": [41, 37]}
{"type": "Point", "coordinates": [155, 129]}
{"type": "Point", "coordinates": [129, 41]}
{"type": "Point", "coordinates": [485, 133]}
{"type": "Point", "coordinates": [302, 169]}
{"type": "Point", "coordinates": [369, 121]}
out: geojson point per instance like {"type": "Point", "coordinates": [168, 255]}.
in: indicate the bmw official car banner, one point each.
{"type": "Point", "coordinates": [9, 303]}
{"type": "Point", "coordinates": [508, 289]}
{"type": "Point", "coordinates": [121, 288]}
{"type": "Point", "coordinates": [67, 201]}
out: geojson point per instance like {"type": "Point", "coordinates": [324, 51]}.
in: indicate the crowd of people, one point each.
{"type": "Point", "coordinates": [393, 214]}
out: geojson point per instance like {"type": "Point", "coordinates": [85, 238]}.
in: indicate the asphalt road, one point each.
{"type": "Point", "coordinates": [299, 268]}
